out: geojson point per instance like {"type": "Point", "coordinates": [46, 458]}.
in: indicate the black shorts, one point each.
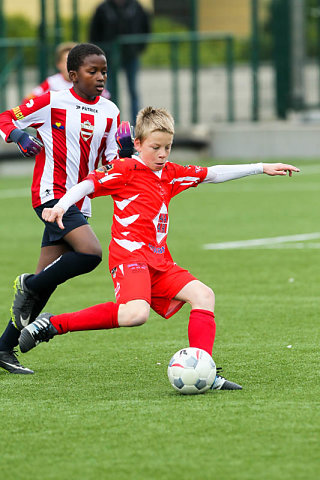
{"type": "Point", "coordinates": [52, 234]}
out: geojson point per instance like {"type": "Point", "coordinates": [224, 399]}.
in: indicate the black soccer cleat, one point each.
{"type": "Point", "coordinates": [9, 361]}
{"type": "Point", "coordinates": [41, 330]}
{"type": "Point", "coordinates": [221, 383]}
{"type": "Point", "coordinates": [23, 302]}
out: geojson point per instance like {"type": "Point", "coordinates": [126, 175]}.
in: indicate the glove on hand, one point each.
{"type": "Point", "coordinates": [124, 139]}
{"type": "Point", "coordinates": [28, 145]}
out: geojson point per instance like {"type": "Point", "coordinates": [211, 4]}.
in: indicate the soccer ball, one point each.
{"type": "Point", "coordinates": [191, 371]}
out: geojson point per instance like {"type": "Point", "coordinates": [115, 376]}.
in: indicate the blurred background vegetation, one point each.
{"type": "Point", "coordinates": [158, 55]}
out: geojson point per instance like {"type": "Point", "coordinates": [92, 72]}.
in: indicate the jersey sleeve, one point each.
{"type": "Point", "coordinates": [111, 151]}
{"type": "Point", "coordinates": [186, 176]}
{"type": "Point", "coordinates": [108, 179]}
{"type": "Point", "coordinates": [31, 114]}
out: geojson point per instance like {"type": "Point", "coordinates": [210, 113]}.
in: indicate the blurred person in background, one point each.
{"type": "Point", "coordinates": [111, 19]}
{"type": "Point", "coordinates": [59, 80]}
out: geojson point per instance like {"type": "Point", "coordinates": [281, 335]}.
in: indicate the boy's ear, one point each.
{"type": "Point", "coordinates": [73, 76]}
{"type": "Point", "coordinates": [137, 144]}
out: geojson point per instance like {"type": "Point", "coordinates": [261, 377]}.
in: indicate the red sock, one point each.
{"type": "Point", "coordinates": [98, 317]}
{"type": "Point", "coordinates": [201, 329]}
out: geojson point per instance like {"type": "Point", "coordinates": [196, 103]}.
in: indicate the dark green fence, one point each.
{"type": "Point", "coordinates": [15, 48]}
{"type": "Point", "coordinates": [174, 40]}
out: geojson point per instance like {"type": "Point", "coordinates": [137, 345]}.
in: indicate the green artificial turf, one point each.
{"type": "Point", "coordinates": [100, 405]}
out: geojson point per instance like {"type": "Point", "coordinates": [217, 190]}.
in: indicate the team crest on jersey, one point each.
{"type": "Point", "coordinates": [105, 168]}
{"type": "Point", "coordinates": [86, 130]}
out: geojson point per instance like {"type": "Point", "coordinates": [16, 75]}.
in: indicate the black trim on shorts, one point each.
{"type": "Point", "coordinates": [52, 234]}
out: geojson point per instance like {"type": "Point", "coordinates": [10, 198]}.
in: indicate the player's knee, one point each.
{"type": "Point", "coordinates": [139, 316]}
{"type": "Point", "coordinates": [95, 250]}
{"type": "Point", "coordinates": [133, 315]}
{"type": "Point", "coordinates": [208, 296]}
{"type": "Point", "coordinates": [205, 298]}
{"type": "Point", "coordinates": [88, 262]}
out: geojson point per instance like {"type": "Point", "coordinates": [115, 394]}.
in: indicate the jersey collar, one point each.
{"type": "Point", "coordinates": [159, 173]}
{"type": "Point", "coordinates": [89, 102]}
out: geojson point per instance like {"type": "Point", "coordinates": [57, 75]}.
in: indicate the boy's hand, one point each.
{"type": "Point", "coordinates": [54, 214]}
{"type": "Point", "coordinates": [124, 139]}
{"type": "Point", "coordinates": [279, 169]}
{"type": "Point", "coordinates": [28, 145]}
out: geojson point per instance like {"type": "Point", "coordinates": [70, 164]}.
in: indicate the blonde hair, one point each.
{"type": "Point", "coordinates": [151, 119]}
{"type": "Point", "coordinates": [63, 48]}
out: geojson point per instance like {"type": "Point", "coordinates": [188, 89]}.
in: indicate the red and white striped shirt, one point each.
{"type": "Point", "coordinates": [76, 134]}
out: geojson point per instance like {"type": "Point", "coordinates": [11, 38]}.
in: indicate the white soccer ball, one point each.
{"type": "Point", "coordinates": [191, 371]}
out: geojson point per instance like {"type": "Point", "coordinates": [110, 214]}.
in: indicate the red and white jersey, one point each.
{"type": "Point", "coordinates": [76, 134]}
{"type": "Point", "coordinates": [141, 199]}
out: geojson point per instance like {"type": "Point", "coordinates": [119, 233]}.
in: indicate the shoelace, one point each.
{"type": "Point", "coordinates": [43, 334]}
{"type": "Point", "coordinates": [14, 354]}
{"type": "Point", "coordinates": [219, 371]}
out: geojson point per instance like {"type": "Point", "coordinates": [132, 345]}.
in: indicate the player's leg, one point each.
{"type": "Point", "coordinates": [133, 291]}
{"type": "Point", "coordinates": [198, 295]}
{"type": "Point", "coordinates": [202, 327]}
{"type": "Point", "coordinates": [10, 337]}
{"type": "Point", "coordinates": [73, 251]}
{"type": "Point", "coordinates": [82, 257]}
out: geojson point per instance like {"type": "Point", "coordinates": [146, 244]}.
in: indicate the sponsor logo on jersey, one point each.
{"type": "Point", "coordinates": [157, 250]}
{"type": "Point", "coordinates": [86, 130]}
{"type": "Point", "coordinates": [58, 126]}
{"type": "Point", "coordinates": [137, 168]}
{"type": "Point", "coordinates": [17, 113]}
{"type": "Point", "coordinates": [135, 267]}
{"type": "Point", "coordinates": [86, 109]}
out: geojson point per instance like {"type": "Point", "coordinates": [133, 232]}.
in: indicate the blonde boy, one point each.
{"type": "Point", "coordinates": [140, 263]}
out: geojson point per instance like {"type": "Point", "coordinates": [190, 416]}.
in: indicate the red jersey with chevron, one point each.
{"type": "Point", "coordinates": [141, 199]}
{"type": "Point", "coordinates": [76, 134]}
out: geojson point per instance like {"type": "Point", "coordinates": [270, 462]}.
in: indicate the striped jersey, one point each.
{"type": "Point", "coordinates": [76, 134]}
{"type": "Point", "coordinates": [141, 200]}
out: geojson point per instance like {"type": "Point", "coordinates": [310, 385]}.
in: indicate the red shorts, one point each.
{"type": "Point", "coordinates": [139, 281]}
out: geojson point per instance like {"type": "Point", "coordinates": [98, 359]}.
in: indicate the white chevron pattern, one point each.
{"type": "Point", "coordinates": [124, 203]}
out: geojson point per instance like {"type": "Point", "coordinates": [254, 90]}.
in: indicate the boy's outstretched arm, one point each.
{"type": "Point", "coordinates": [76, 193]}
{"type": "Point", "coordinates": [223, 173]}
{"type": "Point", "coordinates": [279, 169]}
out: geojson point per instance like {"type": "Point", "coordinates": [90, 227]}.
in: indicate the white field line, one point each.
{"type": "Point", "coordinates": [262, 242]}
{"type": "Point", "coordinates": [21, 192]}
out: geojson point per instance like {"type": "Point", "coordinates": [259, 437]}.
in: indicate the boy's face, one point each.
{"type": "Point", "coordinates": [154, 150]}
{"type": "Point", "coordinates": [89, 80]}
